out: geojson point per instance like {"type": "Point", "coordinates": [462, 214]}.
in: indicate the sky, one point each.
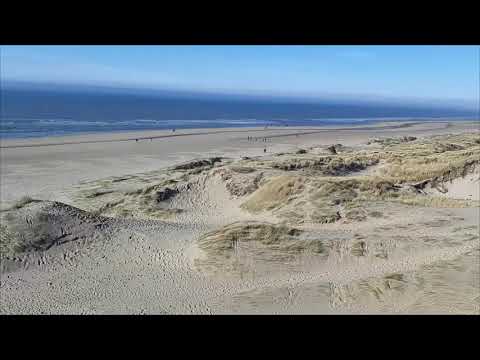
{"type": "Point", "coordinates": [416, 73]}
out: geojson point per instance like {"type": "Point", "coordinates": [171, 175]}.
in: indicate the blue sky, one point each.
{"type": "Point", "coordinates": [422, 73]}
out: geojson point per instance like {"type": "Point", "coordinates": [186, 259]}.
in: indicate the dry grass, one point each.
{"type": "Point", "coordinates": [324, 215]}
{"type": "Point", "coordinates": [9, 242]}
{"type": "Point", "coordinates": [343, 165]}
{"type": "Point", "coordinates": [277, 192]}
{"type": "Point", "coordinates": [18, 236]}
{"type": "Point", "coordinates": [407, 166]}
{"type": "Point", "coordinates": [330, 165]}
{"type": "Point", "coordinates": [44, 224]}
{"type": "Point", "coordinates": [441, 158]}
{"type": "Point", "coordinates": [356, 214]}
{"type": "Point", "coordinates": [242, 169]}
{"type": "Point", "coordinates": [98, 193]}
{"type": "Point", "coordinates": [392, 140]}
{"type": "Point", "coordinates": [25, 200]}
{"type": "Point", "coordinates": [334, 192]}
{"type": "Point", "coordinates": [267, 236]}
{"type": "Point", "coordinates": [137, 199]}
{"type": "Point", "coordinates": [435, 201]}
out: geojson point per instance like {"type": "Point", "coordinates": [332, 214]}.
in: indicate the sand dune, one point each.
{"type": "Point", "coordinates": [386, 223]}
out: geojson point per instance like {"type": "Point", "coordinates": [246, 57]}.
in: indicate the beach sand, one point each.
{"type": "Point", "coordinates": [125, 257]}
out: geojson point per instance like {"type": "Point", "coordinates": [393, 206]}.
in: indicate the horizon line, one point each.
{"type": "Point", "coordinates": [470, 104]}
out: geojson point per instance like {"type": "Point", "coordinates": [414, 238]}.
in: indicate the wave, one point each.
{"type": "Point", "coordinates": [35, 127]}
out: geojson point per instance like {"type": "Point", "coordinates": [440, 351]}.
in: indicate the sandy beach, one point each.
{"type": "Point", "coordinates": [244, 220]}
{"type": "Point", "coordinates": [33, 167]}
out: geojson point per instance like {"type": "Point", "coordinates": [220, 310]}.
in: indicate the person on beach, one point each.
{"type": "Point", "coordinates": [264, 150]}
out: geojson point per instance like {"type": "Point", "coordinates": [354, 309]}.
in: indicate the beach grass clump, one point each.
{"type": "Point", "coordinates": [227, 237]}
{"type": "Point", "coordinates": [375, 214]}
{"type": "Point", "coordinates": [435, 201]}
{"type": "Point", "coordinates": [329, 165]}
{"type": "Point", "coordinates": [320, 200]}
{"type": "Point", "coordinates": [97, 193]}
{"type": "Point", "coordinates": [148, 199]}
{"type": "Point", "coordinates": [299, 163]}
{"type": "Point", "coordinates": [334, 192]}
{"type": "Point", "coordinates": [343, 165]}
{"type": "Point", "coordinates": [275, 193]}
{"type": "Point", "coordinates": [324, 215]}
{"type": "Point", "coordinates": [25, 200]}
{"type": "Point", "coordinates": [392, 140]}
{"type": "Point", "coordinates": [258, 235]}
{"type": "Point", "coordinates": [242, 169]}
{"type": "Point", "coordinates": [241, 184]}
{"type": "Point", "coordinates": [438, 158]}
{"type": "Point", "coordinates": [439, 168]}
{"type": "Point", "coordinates": [198, 164]}
{"type": "Point", "coordinates": [20, 233]}
{"type": "Point", "coordinates": [44, 224]}
{"type": "Point", "coordinates": [377, 187]}
{"type": "Point", "coordinates": [10, 244]}
{"type": "Point", "coordinates": [356, 214]}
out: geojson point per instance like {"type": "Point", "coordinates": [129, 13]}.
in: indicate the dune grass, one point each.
{"type": "Point", "coordinates": [407, 165]}
{"type": "Point", "coordinates": [275, 193]}
{"type": "Point", "coordinates": [441, 158]}
{"type": "Point", "coordinates": [10, 244]}
{"type": "Point", "coordinates": [25, 200]}
{"type": "Point", "coordinates": [272, 236]}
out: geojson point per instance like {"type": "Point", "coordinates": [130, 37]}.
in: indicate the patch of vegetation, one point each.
{"type": "Point", "coordinates": [274, 237]}
{"type": "Point", "coordinates": [356, 214]}
{"type": "Point", "coordinates": [328, 165]}
{"type": "Point", "coordinates": [359, 249]}
{"type": "Point", "coordinates": [25, 200]}
{"type": "Point", "coordinates": [198, 163]}
{"type": "Point", "coordinates": [392, 140]}
{"type": "Point", "coordinates": [375, 214]}
{"type": "Point", "coordinates": [437, 159]}
{"type": "Point", "coordinates": [334, 192]}
{"type": "Point", "coordinates": [344, 165]}
{"type": "Point", "coordinates": [242, 169]}
{"type": "Point", "coordinates": [436, 201]}
{"type": "Point", "coordinates": [325, 216]}
{"type": "Point", "coordinates": [97, 193]}
{"type": "Point", "coordinates": [275, 193]}
{"type": "Point", "coordinates": [10, 244]}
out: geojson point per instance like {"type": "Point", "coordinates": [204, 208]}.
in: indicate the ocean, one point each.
{"type": "Point", "coordinates": [38, 112]}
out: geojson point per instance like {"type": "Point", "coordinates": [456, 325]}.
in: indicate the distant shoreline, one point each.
{"type": "Point", "coordinates": [146, 134]}
{"type": "Point", "coordinates": [162, 134]}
